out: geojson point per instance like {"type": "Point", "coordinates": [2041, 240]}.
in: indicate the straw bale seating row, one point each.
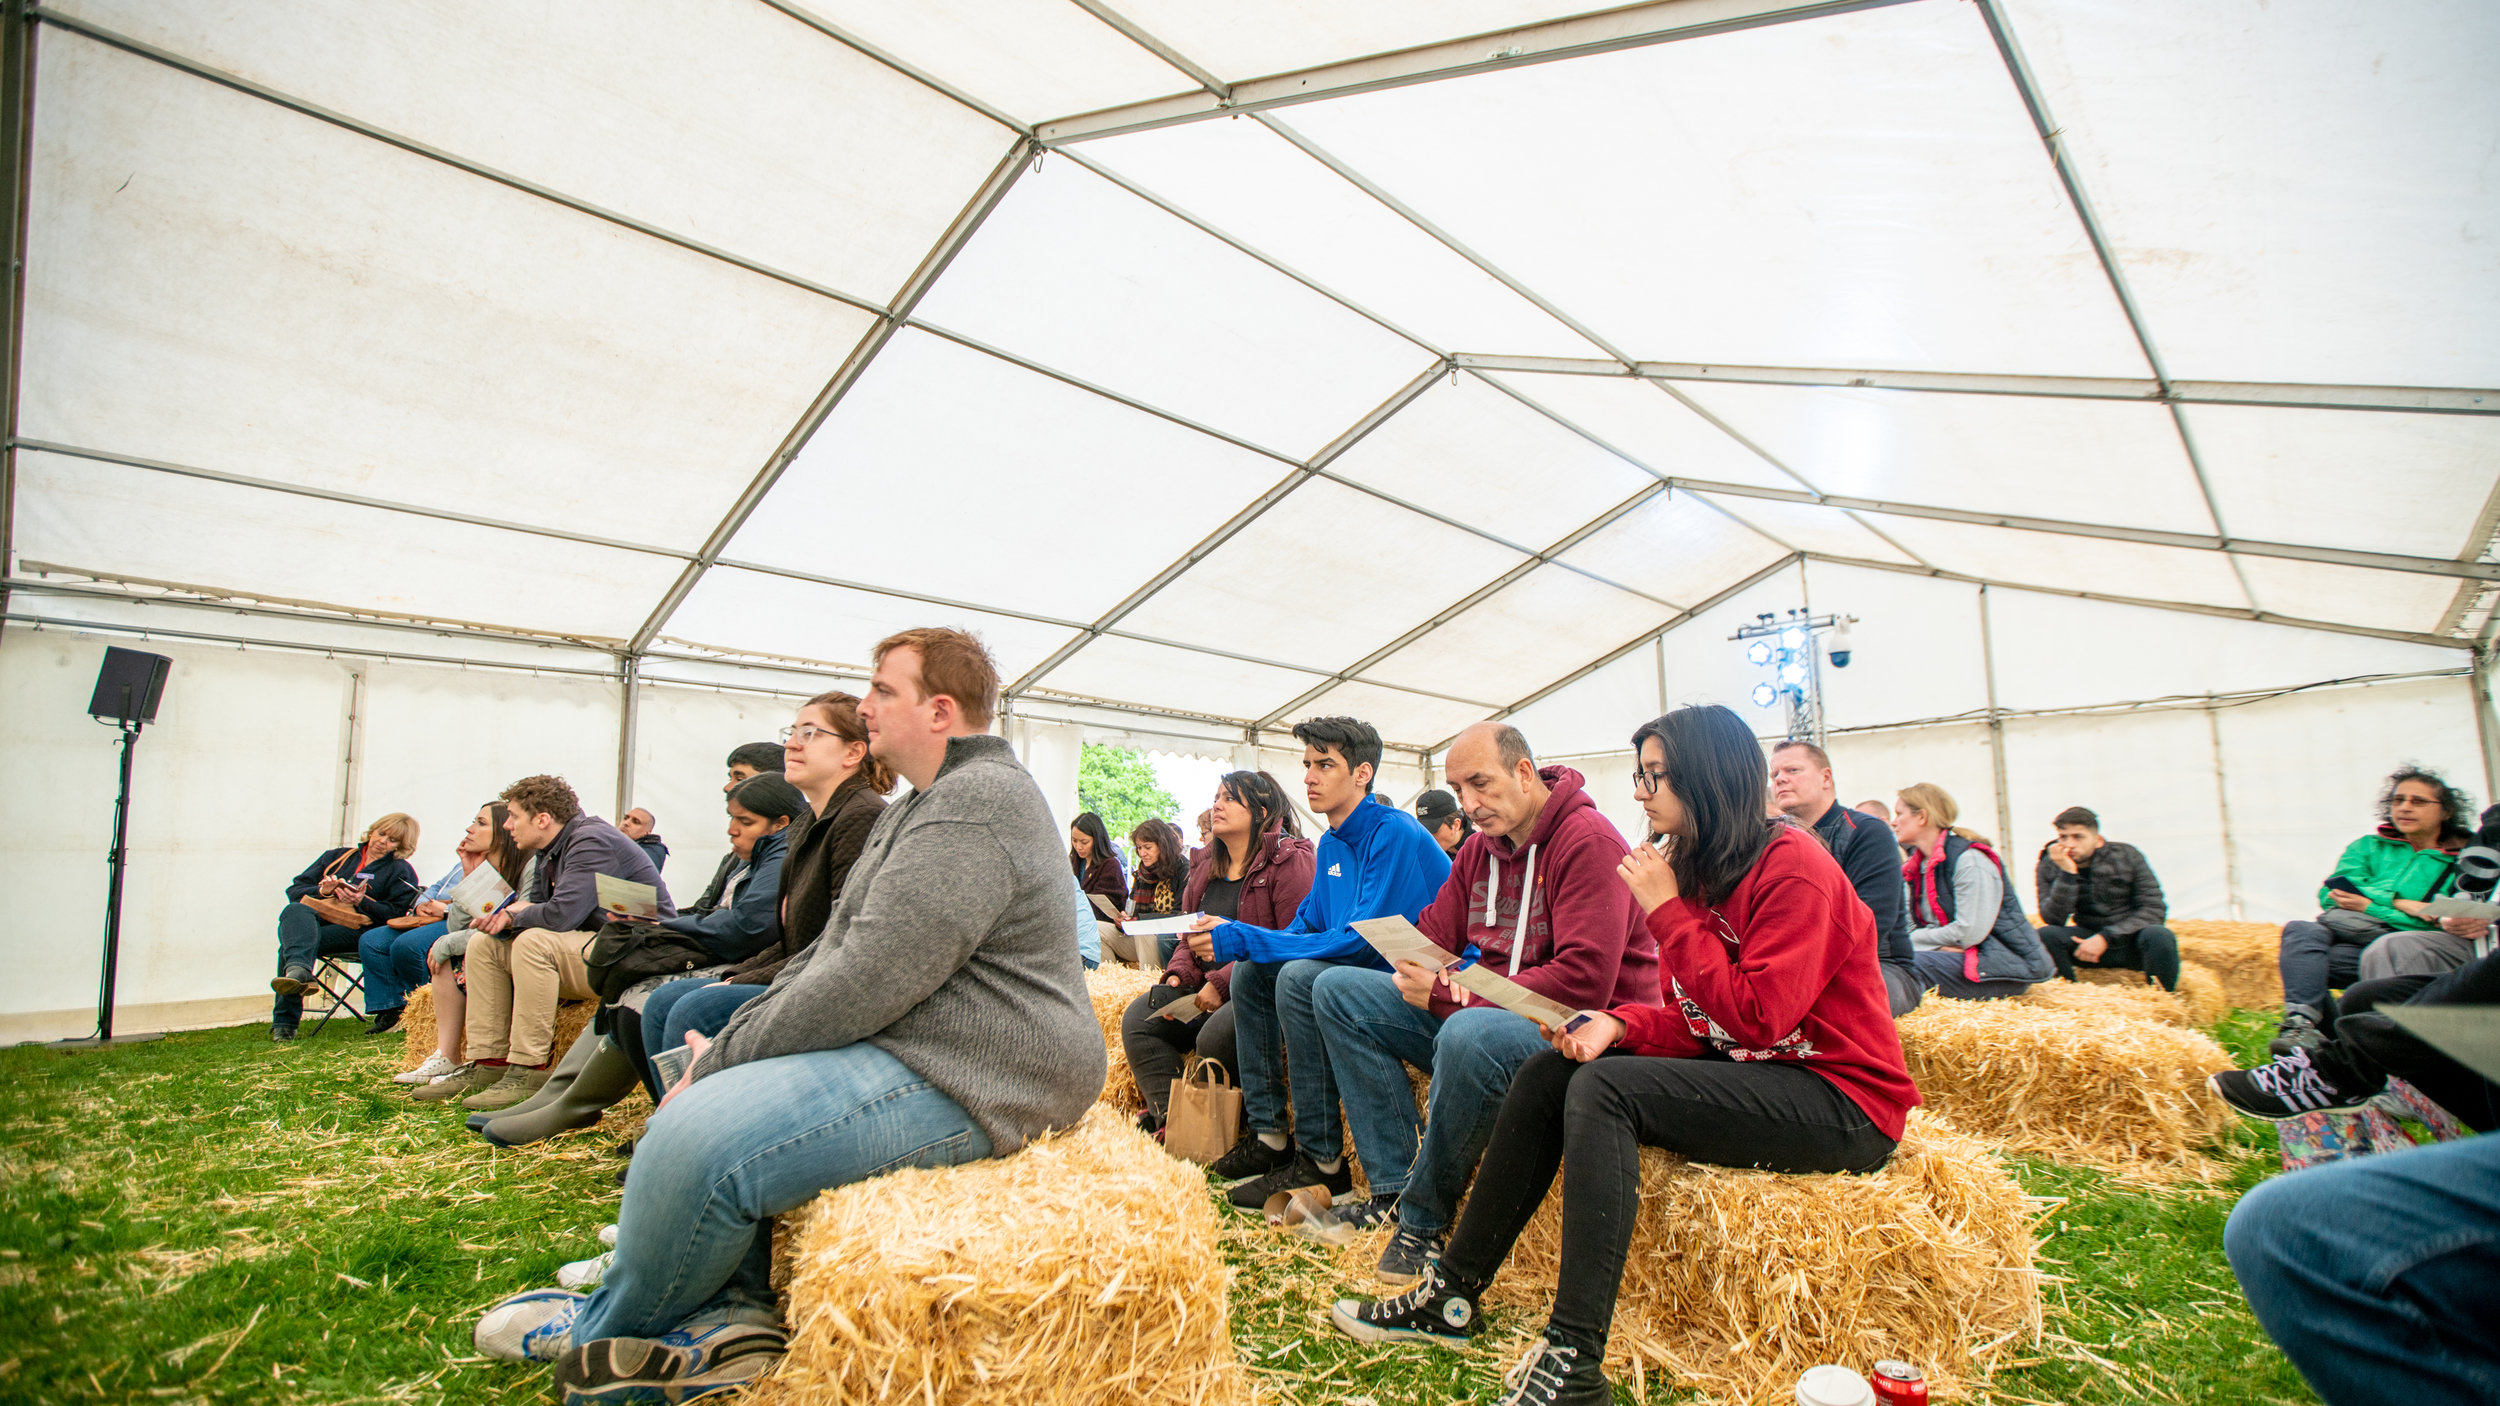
{"type": "Point", "coordinates": [2073, 1076]}
{"type": "Point", "coordinates": [2240, 955]}
{"type": "Point", "coordinates": [1738, 1281]}
{"type": "Point", "coordinates": [2198, 1002]}
{"type": "Point", "coordinates": [1081, 1269]}
{"type": "Point", "coordinates": [572, 1018]}
{"type": "Point", "coordinates": [1113, 986]}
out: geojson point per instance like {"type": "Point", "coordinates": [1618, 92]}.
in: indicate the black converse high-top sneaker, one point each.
{"type": "Point", "coordinates": [1431, 1312]}
{"type": "Point", "coordinates": [1551, 1374]}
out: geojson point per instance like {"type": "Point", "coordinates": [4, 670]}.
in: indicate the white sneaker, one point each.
{"type": "Point", "coordinates": [435, 1067]}
{"type": "Point", "coordinates": [533, 1326]}
{"type": "Point", "coordinates": [607, 1236]}
{"type": "Point", "coordinates": [582, 1276]}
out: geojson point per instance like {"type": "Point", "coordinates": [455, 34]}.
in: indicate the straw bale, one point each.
{"type": "Point", "coordinates": [2199, 1001]}
{"type": "Point", "coordinates": [1048, 1276]}
{"type": "Point", "coordinates": [2242, 955]}
{"type": "Point", "coordinates": [1112, 987]}
{"type": "Point", "coordinates": [1739, 1280]}
{"type": "Point", "coordinates": [2072, 1083]}
{"type": "Point", "coordinates": [572, 1018]}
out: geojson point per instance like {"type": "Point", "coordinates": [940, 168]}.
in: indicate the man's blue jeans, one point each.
{"type": "Point", "coordinates": [394, 961]}
{"type": "Point", "coordinates": [1273, 1023]}
{"type": "Point", "coordinates": [749, 1143]}
{"type": "Point", "coordinates": [1373, 1034]}
{"type": "Point", "coordinates": [304, 939]}
{"type": "Point", "coordinates": [2376, 1275]}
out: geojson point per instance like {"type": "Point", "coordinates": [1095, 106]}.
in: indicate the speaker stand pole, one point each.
{"type": "Point", "coordinates": [115, 862]}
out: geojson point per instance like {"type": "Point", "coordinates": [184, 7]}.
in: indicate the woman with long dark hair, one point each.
{"type": "Point", "coordinates": [1094, 862]}
{"type": "Point", "coordinates": [1251, 871]}
{"type": "Point", "coordinates": [1776, 1051]}
{"type": "Point", "coordinates": [1155, 891]}
{"type": "Point", "coordinates": [444, 954]}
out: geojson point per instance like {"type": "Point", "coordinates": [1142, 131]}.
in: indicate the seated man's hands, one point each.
{"type": "Point", "coordinates": [2352, 902]}
{"type": "Point", "coordinates": [2471, 929]}
{"type": "Point", "coordinates": [1415, 983]}
{"type": "Point", "coordinates": [2091, 948]}
{"type": "Point", "coordinates": [493, 923]}
{"type": "Point", "coordinates": [2063, 856]}
{"type": "Point", "coordinates": [1201, 936]}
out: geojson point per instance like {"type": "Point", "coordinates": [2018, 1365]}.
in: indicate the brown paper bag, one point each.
{"type": "Point", "coordinates": [1206, 1114]}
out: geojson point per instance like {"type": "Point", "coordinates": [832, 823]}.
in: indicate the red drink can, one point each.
{"type": "Point", "coordinates": [1898, 1384]}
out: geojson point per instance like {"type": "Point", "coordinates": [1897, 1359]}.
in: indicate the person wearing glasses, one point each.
{"type": "Point", "coordinates": [825, 754]}
{"type": "Point", "coordinates": [1776, 1051]}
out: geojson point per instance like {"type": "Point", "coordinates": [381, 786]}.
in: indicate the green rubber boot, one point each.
{"type": "Point", "coordinates": [605, 1077]}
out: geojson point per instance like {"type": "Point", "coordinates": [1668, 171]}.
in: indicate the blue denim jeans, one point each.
{"type": "Point", "coordinates": [304, 939]}
{"type": "Point", "coordinates": [394, 960]}
{"type": "Point", "coordinates": [1373, 1034]}
{"type": "Point", "coordinates": [1273, 1025]}
{"type": "Point", "coordinates": [1940, 970]}
{"type": "Point", "coordinates": [748, 1143]}
{"type": "Point", "coordinates": [2375, 1275]}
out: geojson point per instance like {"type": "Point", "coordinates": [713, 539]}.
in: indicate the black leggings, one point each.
{"type": "Point", "coordinates": [1594, 1118]}
{"type": "Point", "coordinates": [2381, 1047]}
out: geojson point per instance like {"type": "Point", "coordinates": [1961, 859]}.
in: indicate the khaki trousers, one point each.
{"type": "Point", "coordinates": [1117, 945]}
{"type": "Point", "coordinates": [514, 985]}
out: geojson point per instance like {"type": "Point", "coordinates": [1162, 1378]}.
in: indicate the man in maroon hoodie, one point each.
{"type": "Point", "coordinates": [1532, 894]}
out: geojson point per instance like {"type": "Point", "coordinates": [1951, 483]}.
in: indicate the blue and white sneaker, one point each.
{"type": "Point", "coordinates": [697, 1359]}
{"type": "Point", "coordinates": [1431, 1312]}
{"type": "Point", "coordinates": [533, 1326]}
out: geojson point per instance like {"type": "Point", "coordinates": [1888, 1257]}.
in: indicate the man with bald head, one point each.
{"type": "Point", "coordinates": [1532, 894]}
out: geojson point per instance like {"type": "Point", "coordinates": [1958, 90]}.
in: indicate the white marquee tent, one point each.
{"type": "Point", "coordinates": [464, 389]}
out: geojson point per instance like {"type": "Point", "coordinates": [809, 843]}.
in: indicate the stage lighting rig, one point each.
{"type": "Point", "coordinates": [1792, 648]}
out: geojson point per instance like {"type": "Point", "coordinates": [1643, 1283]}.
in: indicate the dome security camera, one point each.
{"type": "Point", "coordinates": [1839, 647]}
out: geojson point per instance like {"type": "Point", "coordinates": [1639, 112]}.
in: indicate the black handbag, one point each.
{"type": "Point", "coordinates": [622, 954]}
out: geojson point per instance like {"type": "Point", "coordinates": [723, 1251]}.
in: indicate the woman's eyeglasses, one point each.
{"type": "Point", "coordinates": [805, 733]}
{"type": "Point", "coordinates": [1646, 782]}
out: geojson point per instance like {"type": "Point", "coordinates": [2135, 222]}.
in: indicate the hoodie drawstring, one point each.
{"type": "Point", "coordinates": [1527, 896]}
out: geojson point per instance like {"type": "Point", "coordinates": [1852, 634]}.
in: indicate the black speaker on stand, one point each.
{"type": "Point", "coordinates": [127, 690]}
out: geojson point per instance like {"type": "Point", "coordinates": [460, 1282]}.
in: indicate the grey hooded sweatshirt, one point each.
{"type": "Point", "coordinates": [949, 949]}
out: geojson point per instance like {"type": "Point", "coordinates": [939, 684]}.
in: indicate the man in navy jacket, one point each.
{"type": "Point", "coordinates": [1801, 786]}
{"type": "Point", "coordinates": [1374, 861]}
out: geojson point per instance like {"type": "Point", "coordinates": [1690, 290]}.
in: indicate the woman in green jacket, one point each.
{"type": "Point", "coordinates": [2378, 887]}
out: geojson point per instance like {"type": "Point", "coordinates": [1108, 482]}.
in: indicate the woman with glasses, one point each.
{"type": "Point", "coordinates": [825, 755]}
{"type": "Point", "coordinates": [1776, 1051]}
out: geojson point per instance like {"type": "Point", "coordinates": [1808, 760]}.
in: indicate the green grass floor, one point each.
{"type": "Point", "coordinates": [210, 1218]}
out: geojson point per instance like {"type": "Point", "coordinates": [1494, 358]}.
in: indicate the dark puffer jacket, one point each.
{"type": "Point", "coordinates": [2116, 889]}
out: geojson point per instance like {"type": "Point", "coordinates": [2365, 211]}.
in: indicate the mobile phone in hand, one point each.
{"type": "Point", "coordinates": [2341, 884]}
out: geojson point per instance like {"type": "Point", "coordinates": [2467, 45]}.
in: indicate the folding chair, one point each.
{"type": "Point", "coordinates": [341, 985]}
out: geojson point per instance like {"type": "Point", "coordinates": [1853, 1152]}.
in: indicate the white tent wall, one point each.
{"type": "Point", "coordinates": [2303, 775]}
{"type": "Point", "coordinates": [235, 787]}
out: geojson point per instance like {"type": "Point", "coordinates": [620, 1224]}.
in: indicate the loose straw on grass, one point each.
{"type": "Point", "coordinates": [1081, 1269]}
{"type": "Point", "coordinates": [2127, 1096]}
{"type": "Point", "coordinates": [1738, 1280]}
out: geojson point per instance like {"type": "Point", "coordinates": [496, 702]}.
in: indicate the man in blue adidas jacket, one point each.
{"type": "Point", "coordinates": [1374, 861]}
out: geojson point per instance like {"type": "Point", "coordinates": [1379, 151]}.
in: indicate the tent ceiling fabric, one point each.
{"type": "Point", "coordinates": [1242, 416]}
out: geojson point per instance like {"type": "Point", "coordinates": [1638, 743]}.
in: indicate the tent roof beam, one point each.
{"type": "Point", "coordinates": [1632, 27]}
{"type": "Point", "coordinates": [2417, 399]}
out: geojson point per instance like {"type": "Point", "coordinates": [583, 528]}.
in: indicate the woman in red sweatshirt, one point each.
{"type": "Point", "coordinates": [1775, 1050]}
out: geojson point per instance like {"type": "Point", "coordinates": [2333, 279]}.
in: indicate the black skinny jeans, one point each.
{"type": "Point", "coordinates": [2152, 951]}
{"type": "Point", "coordinates": [2382, 1048]}
{"type": "Point", "coordinates": [1593, 1119]}
{"type": "Point", "coordinates": [1157, 1047]}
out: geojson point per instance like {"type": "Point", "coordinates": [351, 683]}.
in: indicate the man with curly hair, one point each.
{"type": "Point", "coordinates": [2378, 888]}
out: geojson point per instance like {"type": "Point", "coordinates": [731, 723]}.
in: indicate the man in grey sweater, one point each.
{"type": "Point", "coordinates": [941, 1018]}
